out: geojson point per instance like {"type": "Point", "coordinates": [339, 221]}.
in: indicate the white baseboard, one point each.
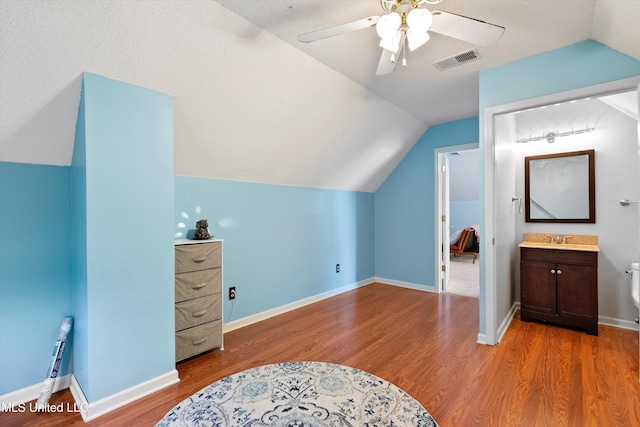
{"type": "Point", "coordinates": [32, 392]}
{"type": "Point", "coordinates": [507, 321]}
{"type": "Point", "coordinates": [258, 317]}
{"type": "Point", "coordinates": [100, 407]}
{"type": "Point", "coordinates": [482, 339]}
{"type": "Point", "coordinates": [407, 285]}
{"type": "Point", "coordinates": [617, 323]}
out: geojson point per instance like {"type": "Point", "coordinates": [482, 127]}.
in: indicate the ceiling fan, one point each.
{"type": "Point", "coordinates": [407, 24]}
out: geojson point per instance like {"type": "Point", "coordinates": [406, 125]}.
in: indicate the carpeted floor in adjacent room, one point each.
{"type": "Point", "coordinates": [464, 276]}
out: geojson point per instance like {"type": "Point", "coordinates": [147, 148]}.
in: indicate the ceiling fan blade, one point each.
{"type": "Point", "coordinates": [466, 29]}
{"type": "Point", "coordinates": [338, 29]}
{"type": "Point", "coordinates": [386, 66]}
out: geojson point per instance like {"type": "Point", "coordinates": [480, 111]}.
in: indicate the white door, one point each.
{"type": "Point", "coordinates": [445, 221]}
{"type": "Point", "coordinates": [638, 94]}
{"type": "Point", "coordinates": [638, 209]}
{"type": "Point", "coordinates": [442, 212]}
{"type": "Point", "coordinates": [507, 209]}
{"type": "Point", "coordinates": [498, 239]}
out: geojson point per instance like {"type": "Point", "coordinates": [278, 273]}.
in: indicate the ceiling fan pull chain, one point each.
{"type": "Point", "coordinates": [404, 53]}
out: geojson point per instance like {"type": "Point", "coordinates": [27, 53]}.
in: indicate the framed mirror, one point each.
{"type": "Point", "coordinates": [560, 187]}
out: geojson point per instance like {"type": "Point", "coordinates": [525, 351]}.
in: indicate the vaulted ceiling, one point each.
{"type": "Point", "coordinates": [251, 103]}
{"type": "Point", "coordinates": [433, 96]}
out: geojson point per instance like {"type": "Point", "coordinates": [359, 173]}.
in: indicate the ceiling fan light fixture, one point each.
{"type": "Point", "coordinates": [419, 20]}
{"type": "Point", "coordinates": [392, 43]}
{"type": "Point", "coordinates": [407, 24]}
{"type": "Point", "coordinates": [388, 25]}
{"type": "Point", "coordinates": [416, 39]}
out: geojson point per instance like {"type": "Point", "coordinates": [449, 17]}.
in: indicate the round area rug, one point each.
{"type": "Point", "coordinates": [299, 394]}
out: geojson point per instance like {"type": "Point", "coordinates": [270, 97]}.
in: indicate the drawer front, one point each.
{"type": "Point", "coordinates": [559, 256]}
{"type": "Point", "coordinates": [201, 338]}
{"type": "Point", "coordinates": [198, 311]}
{"type": "Point", "coordinates": [198, 256]}
{"type": "Point", "coordinates": [197, 284]}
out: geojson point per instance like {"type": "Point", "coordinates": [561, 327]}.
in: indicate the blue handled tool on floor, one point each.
{"type": "Point", "coordinates": [52, 373]}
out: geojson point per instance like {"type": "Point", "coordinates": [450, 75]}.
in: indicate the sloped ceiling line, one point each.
{"type": "Point", "coordinates": [251, 102]}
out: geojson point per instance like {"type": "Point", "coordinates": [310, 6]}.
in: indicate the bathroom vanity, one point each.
{"type": "Point", "coordinates": [559, 280]}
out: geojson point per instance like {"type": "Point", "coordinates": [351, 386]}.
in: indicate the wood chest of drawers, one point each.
{"type": "Point", "coordinates": [198, 297]}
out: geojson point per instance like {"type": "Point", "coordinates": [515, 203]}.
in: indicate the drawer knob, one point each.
{"type": "Point", "coordinates": [199, 341]}
{"type": "Point", "coordinates": [203, 259]}
{"type": "Point", "coordinates": [559, 271]}
{"type": "Point", "coordinates": [199, 313]}
{"type": "Point", "coordinates": [198, 286]}
{"type": "Point", "coordinates": [553, 272]}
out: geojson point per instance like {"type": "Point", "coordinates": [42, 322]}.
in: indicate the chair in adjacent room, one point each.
{"type": "Point", "coordinates": [466, 245]}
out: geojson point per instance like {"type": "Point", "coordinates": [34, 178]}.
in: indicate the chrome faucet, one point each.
{"type": "Point", "coordinates": [556, 239]}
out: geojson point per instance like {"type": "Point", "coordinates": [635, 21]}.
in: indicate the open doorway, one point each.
{"type": "Point", "coordinates": [502, 231]}
{"type": "Point", "coordinates": [458, 219]}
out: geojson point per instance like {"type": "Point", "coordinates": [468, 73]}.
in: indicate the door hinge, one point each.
{"type": "Point", "coordinates": [443, 168]}
{"type": "Point", "coordinates": [444, 218]}
{"type": "Point", "coordinates": [444, 268]}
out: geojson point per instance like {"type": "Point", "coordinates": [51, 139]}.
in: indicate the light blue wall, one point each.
{"type": "Point", "coordinates": [129, 182]}
{"type": "Point", "coordinates": [405, 211]}
{"type": "Point", "coordinates": [463, 213]}
{"type": "Point", "coordinates": [98, 223]}
{"type": "Point", "coordinates": [35, 270]}
{"type": "Point", "coordinates": [579, 65]}
{"type": "Point", "coordinates": [282, 243]}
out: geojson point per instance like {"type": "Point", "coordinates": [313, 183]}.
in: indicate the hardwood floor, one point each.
{"type": "Point", "coordinates": [425, 343]}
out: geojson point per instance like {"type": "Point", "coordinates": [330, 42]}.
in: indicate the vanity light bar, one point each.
{"type": "Point", "coordinates": [551, 136]}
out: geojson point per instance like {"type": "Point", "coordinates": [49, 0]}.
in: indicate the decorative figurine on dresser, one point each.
{"type": "Point", "coordinates": [202, 230]}
{"type": "Point", "coordinates": [198, 294]}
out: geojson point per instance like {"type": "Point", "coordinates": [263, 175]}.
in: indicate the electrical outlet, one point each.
{"type": "Point", "coordinates": [337, 268]}
{"type": "Point", "coordinates": [232, 293]}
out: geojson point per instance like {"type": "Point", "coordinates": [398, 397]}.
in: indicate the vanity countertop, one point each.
{"type": "Point", "coordinates": [574, 242]}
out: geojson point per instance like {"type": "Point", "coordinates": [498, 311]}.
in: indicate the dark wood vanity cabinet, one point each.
{"type": "Point", "coordinates": [560, 287]}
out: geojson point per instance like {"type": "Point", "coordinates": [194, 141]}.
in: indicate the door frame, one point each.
{"type": "Point", "coordinates": [493, 330]}
{"type": "Point", "coordinates": [442, 240]}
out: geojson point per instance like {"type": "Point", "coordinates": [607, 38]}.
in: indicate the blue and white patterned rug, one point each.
{"type": "Point", "coordinates": [299, 394]}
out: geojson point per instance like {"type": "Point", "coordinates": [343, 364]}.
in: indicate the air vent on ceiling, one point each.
{"type": "Point", "coordinates": [458, 59]}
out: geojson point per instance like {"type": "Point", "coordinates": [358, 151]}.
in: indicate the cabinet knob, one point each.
{"type": "Point", "coordinates": [553, 272]}
{"type": "Point", "coordinates": [559, 272]}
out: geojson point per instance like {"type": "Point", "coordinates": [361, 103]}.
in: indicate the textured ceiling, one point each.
{"type": "Point", "coordinates": [251, 103]}
{"type": "Point", "coordinates": [421, 90]}
{"type": "Point", "coordinates": [247, 106]}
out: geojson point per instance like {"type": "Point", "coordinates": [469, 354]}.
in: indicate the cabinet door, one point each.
{"type": "Point", "coordinates": [577, 292]}
{"type": "Point", "coordinates": [538, 286]}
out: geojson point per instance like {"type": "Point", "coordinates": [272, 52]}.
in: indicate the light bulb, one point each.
{"type": "Point", "coordinates": [419, 20]}
{"type": "Point", "coordinates": [388, 24]}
